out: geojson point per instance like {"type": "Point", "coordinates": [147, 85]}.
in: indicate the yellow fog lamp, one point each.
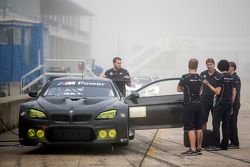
{"type": "Point", "coordinates": [36, 114]}
{"type": "Point", "coordinates": [31, 132]}
{"type": "Point", "coordinates": [102, 134]}
{"type": "Point", "coordinates": [40, 133]}
{"type": "Point", "coordinates": [110, 114]}
{"type": "Point", "coordinates": [112, 133]}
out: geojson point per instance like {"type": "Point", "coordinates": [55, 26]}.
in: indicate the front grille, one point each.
{"type": "Point", "coordinates": [61, 118]}
{"type": "Point", "coordinates": [71, 134]}
{"type": "Point", "coordinates": [81, 118]}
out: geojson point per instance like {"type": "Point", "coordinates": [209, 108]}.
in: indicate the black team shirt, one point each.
{"type": "Point", "coordinates": [192, 84]}
{"type": "Point", "coordinates": [118, 78]}
{"type": "Point", "coordinates": [213, 79]}
{"type": "Point", "coordinates": [227, 83]}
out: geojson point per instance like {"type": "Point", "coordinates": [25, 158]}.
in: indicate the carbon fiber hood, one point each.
{"type": "Point", "coordinates": [66, 104]}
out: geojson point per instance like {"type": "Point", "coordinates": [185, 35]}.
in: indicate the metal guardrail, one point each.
{"type": "Point", "coordinates": [25, 87]}
{"type": "Point", "coordinates": [86, 72]}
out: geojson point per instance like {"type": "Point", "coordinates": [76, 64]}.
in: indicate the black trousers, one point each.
{"type": "Point", "coordinates": [233, 125]}
{"type": "Point", "coordinates": [221, 113]}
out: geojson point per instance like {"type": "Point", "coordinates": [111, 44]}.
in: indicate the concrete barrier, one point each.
{"type": "Point", "coordinates": [9, 110]}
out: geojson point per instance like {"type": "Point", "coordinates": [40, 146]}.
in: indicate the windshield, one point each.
{"type": "Point", "coordinates": [80, 88]}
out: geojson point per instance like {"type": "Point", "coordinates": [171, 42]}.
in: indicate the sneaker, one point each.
{"type": "Point", "coordinates": [223, 148]}
{"type": "Point", "coordinates": [213, 148]}
{"type": "Point", "coordinates": [190, 152]}
{"type": "Point", "coordinates": [232, 146]}
{"type": "Point", "coordinates": [199, 151]}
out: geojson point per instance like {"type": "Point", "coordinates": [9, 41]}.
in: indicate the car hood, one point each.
{"type": "Point", "coordinates": [66, 104]}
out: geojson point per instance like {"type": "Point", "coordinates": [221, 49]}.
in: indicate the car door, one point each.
{"type": "Point", "coordinates": [156, 105]}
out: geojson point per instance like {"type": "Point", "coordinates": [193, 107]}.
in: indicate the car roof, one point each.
{"type": "Point", "coordinates": [81, 79]}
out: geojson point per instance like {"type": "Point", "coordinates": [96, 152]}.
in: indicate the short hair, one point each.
{"type": "Point", "coordinates": [210, 60]}
{"type": "Point", "coordinates": [193, 64]}
{"type": "Point", "coordinates": [223, 65]}
{"type": "Point", "coordinates": [116, 58]}
{"type": "Point", "coordinates": [232, 64]}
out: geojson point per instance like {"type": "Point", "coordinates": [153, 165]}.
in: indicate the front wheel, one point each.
{"type": "Point", "coordinates": [131, 134]}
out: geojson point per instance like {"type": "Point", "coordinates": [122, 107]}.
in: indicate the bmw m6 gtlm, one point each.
{"type": "Point", "coordinates": [92, 110]}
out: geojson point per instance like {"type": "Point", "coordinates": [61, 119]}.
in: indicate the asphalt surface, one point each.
{"type": "Point", "coordinates": [161, 147]}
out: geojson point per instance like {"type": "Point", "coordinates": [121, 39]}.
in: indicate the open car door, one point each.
{"type": "Point", "coordinates": [156, 105]}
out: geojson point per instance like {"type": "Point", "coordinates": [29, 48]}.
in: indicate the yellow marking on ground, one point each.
{"type": "Point", "coordinates": [151, 151]}
{"type": "Point", "coordinates": [157, 140]}
{"type": "Point", "coordinates": [162, 130]}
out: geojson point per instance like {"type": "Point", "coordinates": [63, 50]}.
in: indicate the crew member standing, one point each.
{"type": "Point", "coordinates": [234, 140]}
{"type": "Point", "coordinates": [225, 94]}
{"type": "Point", "coordinates": [118, 75]}
{"type": "Point", "coordinates": [212, 76]}
{"type": "Point", "coordinates": [191, 84]}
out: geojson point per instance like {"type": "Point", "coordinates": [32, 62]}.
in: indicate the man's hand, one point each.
{"type": "Point", "coordinates": [205, 82]}
{"type": "Point", "coordinates": [126, 77]}
{"type": "Point", "coordinates": [216, 90]}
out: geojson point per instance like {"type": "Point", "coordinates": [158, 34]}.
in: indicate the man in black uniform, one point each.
{"type": "Point", "coordinates": [234, 140]}
{"type": "Point", "coordinates": [118, 75]}
{"type": "Point", "coordinates": [225, 94]}
{"type": "Point", "coordinates": [212, 76]}
{"type": "Point", "coordinates": [191, 84]}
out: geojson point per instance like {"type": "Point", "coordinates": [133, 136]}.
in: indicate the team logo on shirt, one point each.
{"type": "Point", "coordinates": [204, 76]}
{"type": "Point", "coordinates": [111, 73]}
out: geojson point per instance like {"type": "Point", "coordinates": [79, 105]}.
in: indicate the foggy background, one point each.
{"type": "Point", "coordinates": [157, 37]}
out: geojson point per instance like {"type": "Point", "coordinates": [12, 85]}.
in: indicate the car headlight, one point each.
{"type": "Point", "coordinates": [36, 114]}
{"type": "Point", "coordinates": [110, 114]}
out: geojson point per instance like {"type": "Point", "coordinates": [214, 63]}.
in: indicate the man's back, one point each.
{"type": "Point", "coordinates": [227, 83]}
{"type": "Point", "coordinates": [192, 86]}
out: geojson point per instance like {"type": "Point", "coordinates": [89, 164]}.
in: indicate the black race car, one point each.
{"type": "Point", "coordinates": [92, 110]}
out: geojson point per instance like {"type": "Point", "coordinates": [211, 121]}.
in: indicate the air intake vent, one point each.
{"type": "Point", "coordinates": [81, 118]}
{"type": "Point", "coordinates": [60, 118]}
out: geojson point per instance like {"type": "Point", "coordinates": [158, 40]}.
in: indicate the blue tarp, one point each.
{"type": "Point", "coordinates": [21, 42]}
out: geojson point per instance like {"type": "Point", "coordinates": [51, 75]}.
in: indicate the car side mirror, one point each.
{"type": "Point", "coordinates": [134, 95]}
{"type": "Point", "coordinates": [33, 94]}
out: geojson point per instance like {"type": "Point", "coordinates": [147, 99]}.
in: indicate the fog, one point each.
{"type": "Point", "coordinates": [157, 37]}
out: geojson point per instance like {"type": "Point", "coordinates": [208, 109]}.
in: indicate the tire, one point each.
{"type": "Point", "coordinates": [44, 148]}
{"type": "Point", "coordinates": [131, 134]}
{"type": "Point", "coordinates": [132, 137]}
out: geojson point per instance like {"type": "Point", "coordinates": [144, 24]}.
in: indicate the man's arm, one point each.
{"type": "Point", "coordinates": [216, 90]}
{"type": "Point", "coordinates": [127, 77]}
{"type": "Point", "coordinates": [234, 95]}
{"type": "Point", "coordinates": [180, 88]}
